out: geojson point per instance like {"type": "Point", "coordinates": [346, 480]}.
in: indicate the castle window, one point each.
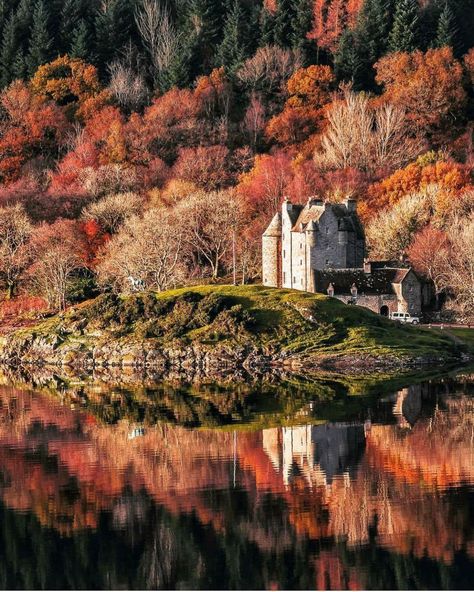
{"type": "Point", "coordinates": [327, 261]}
{"type": "Point", "coordinates": [327, 230]}
{"type": "Point", "coordinates": [284, 277]}
{"type": "Point", "coordinates": [284, 254]}
{"type": "Point", "coordinates": [301, 281]}
{"type": "Point", "coordinates": [301, 246]}
{"type": "Point", "coordinates": [294, 280]}
{"type": "Point", "coordinates": [301, 261]}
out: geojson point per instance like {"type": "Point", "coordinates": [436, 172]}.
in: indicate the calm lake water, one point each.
{"type": "Point", "coordinates": [299, 484]}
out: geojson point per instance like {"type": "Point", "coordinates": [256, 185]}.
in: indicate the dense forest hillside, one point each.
{"type": "Point", "coordinates": [145, 143]}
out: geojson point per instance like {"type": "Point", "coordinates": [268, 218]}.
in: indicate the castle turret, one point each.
{"type": "Point", "coordinates": [271, 253]}
{"type": "Point", "coordinates": [311, 231]}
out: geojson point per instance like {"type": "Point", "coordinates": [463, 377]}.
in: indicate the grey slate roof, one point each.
{"type": "Point", "coordinates": [380, 281]}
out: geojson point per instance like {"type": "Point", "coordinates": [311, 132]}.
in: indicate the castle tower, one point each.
{"type": "Point", "coordinates": [271, 253]}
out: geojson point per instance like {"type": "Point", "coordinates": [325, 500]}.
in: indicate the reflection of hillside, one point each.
{"type": "Point", "coordinates": [274, 489]}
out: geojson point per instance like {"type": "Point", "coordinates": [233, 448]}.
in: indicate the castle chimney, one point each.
{"type": "Point", "coordinates": [350, 204]}
{"type": "Point", "coordinates": [315, 201]}
{"type": "Point", "coordinates": [367, 266]}
{"type": "Point", "coordinates": [287, 205]}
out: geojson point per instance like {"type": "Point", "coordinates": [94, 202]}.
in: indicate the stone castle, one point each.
{"type": "Point", "coordinates": [320, 247]}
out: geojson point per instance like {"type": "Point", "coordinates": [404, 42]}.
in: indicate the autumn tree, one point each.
{"type": "Point", "coordinates": [71, 83]}
{"type": "Point", "coordinates": [264, 186]}
{"type": "Point", "coordinates": [148, 248]}
{"type": "Point", "coordinates": [207, 167]}
{"type": "Point", "coordinates": [59, 252]}
{"type": "Point", "coordinates": [364, 137]}
{"type": "Point", "coordinates": [269, 69]}
{"type": "Point", "coordinates": [15, 231]}
{"type": "Point", "coordinates": [30, 128]}
{"type": "Point", "coordinates": [127, 86]}
{"type": "Point", "coordinates": [428, 86]}
{"type": "Point", "coordinates": [162, 41]}
{"type": "Point", "coordinates": [451, 179]}
{"type": "Point", "coordinates": [391, 232]}
{"type": "Point", "coordinates": [428, 254]}
{"type": "Point", "coordinates": [210, 221]}
{"type": "Point", "coordinates": [330, 19]}
{"type": "Point", "coordinates": [254, 120]}
{"type": "Point", "coordinates": [309, 89]}
{"type": "Point", "coordinates": [113, 210]}
{"type": "Point", "coordinates": [459, 274]}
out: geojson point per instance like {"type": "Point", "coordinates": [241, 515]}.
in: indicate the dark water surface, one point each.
{"type": "Point", "coordinates": [326, 485]}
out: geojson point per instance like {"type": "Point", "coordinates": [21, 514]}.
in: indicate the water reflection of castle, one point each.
{"type": "Point", "coordinates": [318, 452]}
{"type": "Point", "coordinates": [321, 452]}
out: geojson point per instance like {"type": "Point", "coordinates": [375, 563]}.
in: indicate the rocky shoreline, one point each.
{"type": "Point", "coordinates": [32, 350]}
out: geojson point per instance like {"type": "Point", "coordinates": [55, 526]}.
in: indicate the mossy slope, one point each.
{"type": "Point", "coordinates": [283, 324]}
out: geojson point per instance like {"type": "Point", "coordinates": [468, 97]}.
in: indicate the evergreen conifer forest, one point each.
{"type": "Point", "coordinates": [155, 140]}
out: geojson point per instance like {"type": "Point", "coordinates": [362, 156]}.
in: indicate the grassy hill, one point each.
{"type": "Point", "coordinates": [234, 323]}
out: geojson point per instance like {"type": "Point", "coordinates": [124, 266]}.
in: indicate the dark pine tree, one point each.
{"type": "Point", "coordinates": [19, 66]}
{"type": "Point", "coordinates": [348, 64]}
{"type": "Point", "coordinates": [232, 51]}
{"type": "Point", "coordinates": [114, 27]}
{"type": "Point", "coordinates": [373, 26]}
{"type": "Point", "coordinates": [8, 51]}
{"type": "Point", "coordinates": [80, 42]}
{"type": "Point", "coordinates": [72, 12]}
{"type": "Point", "coordinates": [41, 43]}
{"type": "Point", "coordinates": [267, 27]}
{"type": "Point", "coordinates": [405, 33]}
{"type": "Point", "coordinates": [203, 30]}
{"type": "Point", "coordinates": [300, 27]}
{"type": "Point", "coordinates": [282, 29]}
{"type": "Point", "coordinates": [446, 32]}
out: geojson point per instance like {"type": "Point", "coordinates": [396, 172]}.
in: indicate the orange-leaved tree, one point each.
{"type": "Point", "coordinates": [429, 86]}
{"type": "Point", "coordinates": [71, 83]}
{"type": "Point", "coordinates": [31, 128]}
{"type": "Point", "coordinates": [450, 178]}
{"type": "Point", "coordinates": [309, 89]}
{"type": "Point", "coordinates": [330, 19]}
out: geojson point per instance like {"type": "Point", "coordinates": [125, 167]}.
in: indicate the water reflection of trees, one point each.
{"type": "Point", "coordinates": [340, 505]}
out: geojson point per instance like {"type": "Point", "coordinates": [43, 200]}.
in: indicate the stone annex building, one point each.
{"type": "Point", "coordinates": [320, 247]}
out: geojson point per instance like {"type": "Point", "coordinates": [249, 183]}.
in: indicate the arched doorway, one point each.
{"type": "Point", "coordinates": [384, 311]}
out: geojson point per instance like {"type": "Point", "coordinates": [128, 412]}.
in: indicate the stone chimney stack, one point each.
{"type": "Point", "coordinates": [315, 201]}
{"type": "Point", "coordinates": [350, 204]}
